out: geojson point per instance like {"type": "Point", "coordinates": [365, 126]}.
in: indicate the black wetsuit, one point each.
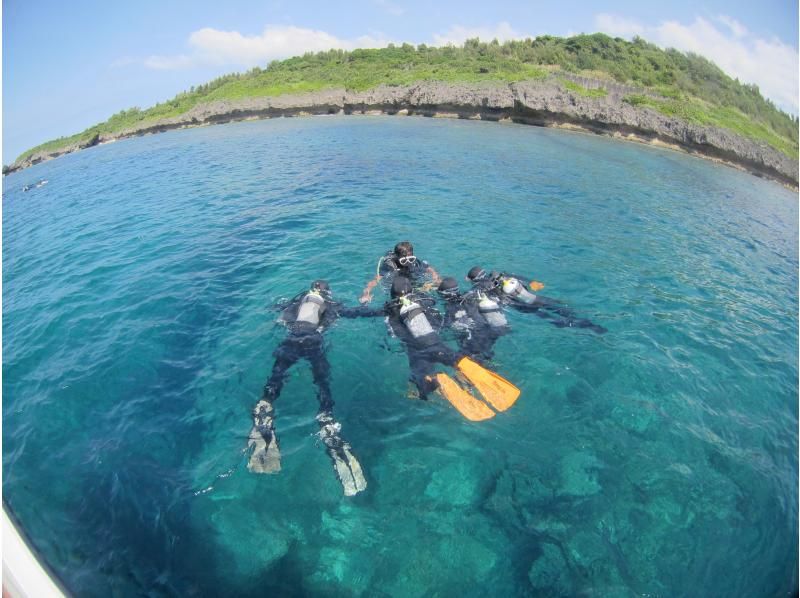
{"type": "Point", "coordinates": [423, 345]}
{"type": "Point", "coordinates": [306, 317]}
{"type": "Point", "coordinates": [389, 267]}
{"type": "Point", "coordinates": [475, 334]}
{"type": "Point", "coordinates": [553, 310]}
{"type": "Point", "coordinates": [305, 341]}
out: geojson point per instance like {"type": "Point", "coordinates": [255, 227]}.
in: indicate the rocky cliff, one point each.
{"type": "Point", "coordinates": [544, 103]}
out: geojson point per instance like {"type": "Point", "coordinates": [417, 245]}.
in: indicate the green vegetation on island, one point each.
{"type": "Point", "coordinates": [693, 88]}
{"type": "Point", "coordinates": [582, 91]}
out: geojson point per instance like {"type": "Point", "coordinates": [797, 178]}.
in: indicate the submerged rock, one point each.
{"type": "Point", "coordinates": [635, 414]}
{"type": "Point", "coordinates": [455, 485]}
{"type": "Point", "coordinates": [549, 575]}
{"type": "Point", "coordinates": [579, 475]}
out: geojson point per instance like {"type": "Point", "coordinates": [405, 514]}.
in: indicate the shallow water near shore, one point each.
{"type": "Point", "coordinates": [658, 459]}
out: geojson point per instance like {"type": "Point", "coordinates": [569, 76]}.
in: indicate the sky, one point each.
{"type": "Point", "coordinates": [69, 65]}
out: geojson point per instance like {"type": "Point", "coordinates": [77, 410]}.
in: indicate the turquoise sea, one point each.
{"type": "Point", "coordinates": [659, 459]}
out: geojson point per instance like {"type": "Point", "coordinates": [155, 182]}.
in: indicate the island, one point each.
{"type": "Point", "coordinates": [594, 83]}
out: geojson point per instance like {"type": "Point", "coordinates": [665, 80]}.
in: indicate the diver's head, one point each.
{"type": "Point", "coordinates": [448, 288]}
{"type": "Point", "coordinates": [476, 273]}
{"type": "Point", "coordinates": [322, 287]}
{"type": "Point", "coordinates": [404, 254]}
{"type": "Point", "coordinates": [401, 287]}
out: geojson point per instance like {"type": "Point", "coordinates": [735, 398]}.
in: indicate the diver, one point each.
{"type": "Point", "coordinates": [36, 185]}
{"type": "Point", "coordinates": [412, 318]}
{"type": "Point", "coordinates": [475, 317]}
{"type": "Point", "coordinates": [401, 260]}
{"type": "Point", "coordinates": [512, 290]}
{"type": "Point", "coordinates": [306, 317]}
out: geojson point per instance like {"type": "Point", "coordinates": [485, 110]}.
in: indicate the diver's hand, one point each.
{"type": "Point", "coordinates": [428, 286]}
{"type": "Point", "coordinates": [365, 298]}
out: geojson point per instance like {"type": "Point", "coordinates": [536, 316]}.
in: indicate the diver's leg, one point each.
{"type": "Point", "coordinates": [580, 323]}
{"type": "Point", "coordinates": [286, 355]}
{"type": "Point", "coordinates": [451, 390]}
{"type": "Point", "coordinates": [321, 372]}
{"type": "Point", "coordinates": [554, 306]}
{"type": "Point", "coordinates": [265, 456]}
{"type": "Point", "coordinates": [441, 353]}
{"type": "Point", "coordinates": [567, 317]}
{"type": "Point", "coordinates": [480, 346]}
{"type": "Point", "coordinates": [422, 370]}
{"type": "Point", "coordinates": [345, 464]}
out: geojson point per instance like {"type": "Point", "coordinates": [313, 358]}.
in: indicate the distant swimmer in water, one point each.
{"type": "Point", "coordinates": [412, 318]}
{"type": "Point", "coordinates": [306, 317]}
{"type": "Point", "coordinates": [475, 318]}
{"type": "Point", "coordinates": [40, 183]}
{"type": "Point", "coordinates": [513, 291]}
{"type": "Point", "coordinates": [402, 261]}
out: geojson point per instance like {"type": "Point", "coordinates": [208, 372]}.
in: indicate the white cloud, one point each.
{"type": "Point", "coordinates": [618, 26]}
{"type": "Point", "coordinates": [770, 64]}
{"type": "Point", "coordinates": [458, 34]}
{"type": "Point", "coordinates": [735, 26]}
{"type": "Point", "coordinates": [230, 48]}
{"type": "Point", "coordinates": [214, 47]}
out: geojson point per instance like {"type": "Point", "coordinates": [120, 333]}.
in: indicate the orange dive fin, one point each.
{"type": "Point", "coordinates": [467, 405]}
{"type": "Point", "coordinates": [497, 391]}
{"type": "Point", "coordinates": [535, 285]}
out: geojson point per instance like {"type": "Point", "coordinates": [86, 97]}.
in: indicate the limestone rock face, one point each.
{"type": "Point", "coordinates": [544, 102]}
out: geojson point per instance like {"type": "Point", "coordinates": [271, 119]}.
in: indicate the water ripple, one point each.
{"type": "Point", "coordinates": [139, 327]}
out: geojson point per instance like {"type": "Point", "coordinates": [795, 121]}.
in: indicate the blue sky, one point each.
{"type": "Point", "coordinates": [69, 65]}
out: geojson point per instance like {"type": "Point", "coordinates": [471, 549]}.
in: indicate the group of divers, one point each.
{"type": "Point", "coordinates": [476, 318]}
{"type": "Point", "coordinates": [36, 185]}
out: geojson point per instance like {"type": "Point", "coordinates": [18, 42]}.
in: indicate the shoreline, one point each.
{"type": "Point", "coordinates": [546, 103]}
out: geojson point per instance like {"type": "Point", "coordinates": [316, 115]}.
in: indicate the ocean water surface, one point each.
{"type": "Point", "coordinates": [659, 459]}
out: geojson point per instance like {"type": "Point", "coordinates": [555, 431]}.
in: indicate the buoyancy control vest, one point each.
{"type": "Point", "coordinates": [491, 311]}
{"type": "Point", "coordinates": [311, 309]}
{"type": "Point", "coordinates": [514, 289]}
{"type": "Point", "coordinates": [414, 319]}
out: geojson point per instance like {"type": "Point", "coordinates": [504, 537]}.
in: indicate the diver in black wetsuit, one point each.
{"type": "Point", "coordinates": [401, 261]}
{"type": "Point", "coordinates": [306, 317]}
{"type": "Point", "coordinates": [412, 318]}
{"type": "Point", "coordinates": [475, 317]}
{"type": "Point", "coordinates": [512, 291]}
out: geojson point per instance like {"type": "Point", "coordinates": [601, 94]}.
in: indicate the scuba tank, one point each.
{"type": "Point", "coordinates": [414, 318]}
{"type": "Point", "coordinates": [491, 310]}
{"type": "Point", "coordinates": [514, 289]}
{"type": "Point", "coordinates": [311, 308]}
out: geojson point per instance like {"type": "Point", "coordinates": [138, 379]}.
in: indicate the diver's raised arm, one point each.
{"type": "Point", "coordinates": [436, 279]}
{"type": "Point", "coordinates": [366, 294]}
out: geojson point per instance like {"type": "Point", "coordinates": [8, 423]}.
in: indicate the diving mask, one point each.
{"type": "Point", "coordinates": [407, 260]}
